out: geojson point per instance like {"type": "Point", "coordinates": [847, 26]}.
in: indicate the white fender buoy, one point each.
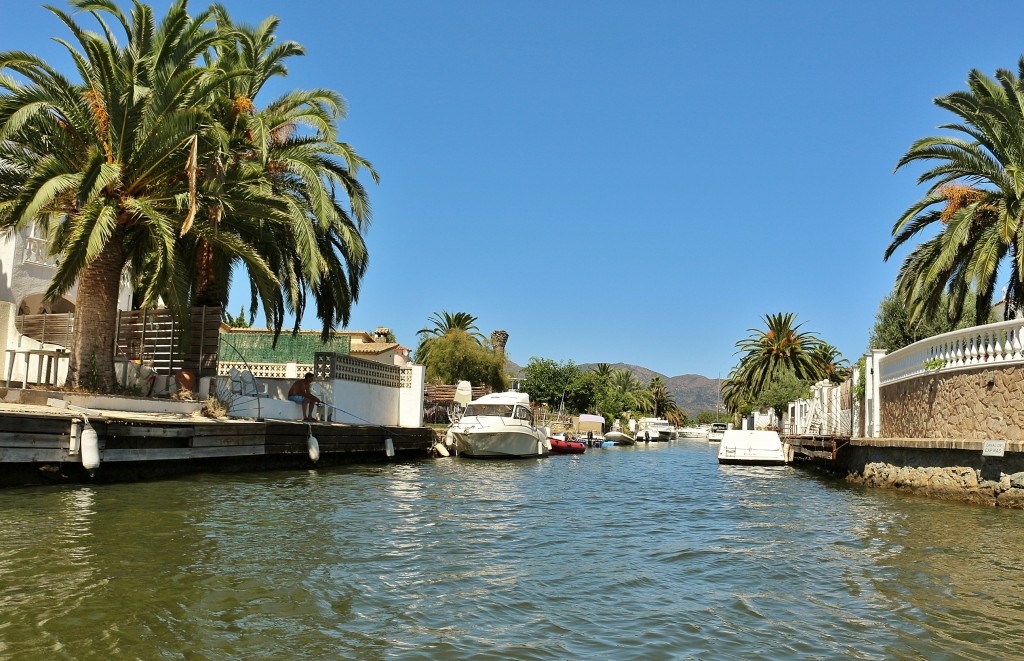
{"type": "Point", "coordinates": [449, 438]}
{"type": "Point", "coordinates": [90, 448]}
{"type": "Point", "coordinates": [389, 447]}
{"type": "Point", "coordinates": [441, 450]}
{"type": "Point", "coordinates": [314, 447]}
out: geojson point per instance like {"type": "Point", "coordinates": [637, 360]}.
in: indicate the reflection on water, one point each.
{"type": "Point", "coordinates": [653, 552]}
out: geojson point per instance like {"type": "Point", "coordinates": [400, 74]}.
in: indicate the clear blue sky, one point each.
{"type": "Point", "coordinates": [627, 182]}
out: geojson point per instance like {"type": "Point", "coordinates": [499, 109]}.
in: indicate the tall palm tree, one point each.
{"type": "Point", "coordinates": [633, 393]}
{"type": "Point", "coordinates": [734, 392]}
{"type": "Point", "coordinates": [312, 237]}
{"type": "Point", "coordinates": [100, 162]}
{"type": "Point", "coordinates": [443, 324]}
{"type": "Point", "coordinates": [664, 405]}
{"type": "Point", "coordinates": [830, 363]}
{"type": "Point", "coordinates": [779, 346]}
{"type": "Point", "coordinates": [975, 199]}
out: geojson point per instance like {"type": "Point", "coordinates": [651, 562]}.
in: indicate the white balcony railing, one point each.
{"type": "Point", "coordinates": [37, 251]}
{"type": "Point", "coordinates": [978, 346]}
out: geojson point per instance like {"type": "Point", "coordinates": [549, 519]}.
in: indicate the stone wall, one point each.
{"type": "Point", "coordinates": [982, 403]}
{"type": "Point", "coordinates": [950, 474]}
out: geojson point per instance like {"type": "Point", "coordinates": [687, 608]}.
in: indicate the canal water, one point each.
{"type": "Point", "coordinates": [623, 553]}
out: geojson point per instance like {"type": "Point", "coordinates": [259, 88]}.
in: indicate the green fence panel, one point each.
{"type": "Point", "coordinates": [258, 347]}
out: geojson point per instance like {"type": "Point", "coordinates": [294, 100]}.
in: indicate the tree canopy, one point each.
{"type": "Point", "coordinates": [157, 166]}
{"type": "Point", "coordinates": [775, 357]}
{"type": "Point", "coordinates": [559, 384]}
{"type": "Point", "coordinates": [893, 328]}
{"type": "Point", "coordinates": [974, 203]}
{"type": "Point", "coordinates": [456, 356]}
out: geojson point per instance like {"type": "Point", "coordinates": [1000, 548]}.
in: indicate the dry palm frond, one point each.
{"type": "Point", "coordinates": [191, 169]}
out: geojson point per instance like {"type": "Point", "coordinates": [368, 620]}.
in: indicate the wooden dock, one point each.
{"type": "Point", "coordinates": [36, 446]}
{"type": "Point", "coordinates": [816, 447]}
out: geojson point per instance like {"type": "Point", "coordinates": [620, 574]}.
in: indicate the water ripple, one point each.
{"type": "Point", "coordinates": [627, 553]}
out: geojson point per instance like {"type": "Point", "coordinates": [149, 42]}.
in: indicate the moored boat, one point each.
{"type": "Point", "coordinates": [566, 446]}
{"type": "Point", "coordinates": [749, 446]}
{"type": "Point", "coordinates": [655, 429]}
{"type": "Point", "coordinates": [619, 438]}
{"type": "Point", "coordinates": [717, 431]}
{"type": "Point", "coordinates": [499, 425]}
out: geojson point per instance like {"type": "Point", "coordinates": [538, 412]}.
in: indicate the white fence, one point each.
{"type": "Point", "coordinates": [823, 413]}
{"type": "Point", "coordinates": [978, 346]}
{"type": "Point", "coordinates": [362, 390]}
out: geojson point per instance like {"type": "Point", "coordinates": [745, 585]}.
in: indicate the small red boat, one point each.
{"type": "Point", "coordinates": [562, 446]}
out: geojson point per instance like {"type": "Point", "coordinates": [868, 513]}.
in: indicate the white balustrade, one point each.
{"type": "Point", "coordinates": [999, 343]}
{"type": "Point", "coordinates": [37, 251]}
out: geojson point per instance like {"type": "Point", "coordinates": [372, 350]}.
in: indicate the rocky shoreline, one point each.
{"type": "Point", "coordinates": [965, 483]}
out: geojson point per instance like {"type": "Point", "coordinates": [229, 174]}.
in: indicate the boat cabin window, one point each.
{"type": "Point", "coordinates": [719, 426]}
{"type": "Point", "coordinates": [500, 410]}
{"type": "Point", "coordinates": [523, 413]}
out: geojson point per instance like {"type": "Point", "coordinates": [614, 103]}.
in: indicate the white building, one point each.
{"type": "Point", "coordinates": [26, 269]}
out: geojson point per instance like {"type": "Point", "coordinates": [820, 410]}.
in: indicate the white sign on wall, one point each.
{"type": "Point", "coordinates": [993, 449]}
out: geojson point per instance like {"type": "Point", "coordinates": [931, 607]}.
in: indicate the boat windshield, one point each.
{"type": "Point", "coordinates": [523, 413]}
{"type": "Point", "coordinates": [719, 426]}
{"type": "Point", "coordinates": [499, 410]}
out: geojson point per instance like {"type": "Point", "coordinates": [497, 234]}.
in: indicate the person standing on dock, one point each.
{"type": "Point", "coordinates": [300, 394]}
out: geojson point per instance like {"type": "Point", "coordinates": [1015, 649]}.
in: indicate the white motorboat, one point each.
{"type": "Point", "coordinates": [499, 425]}
{"type": "Point", "coordinates": [750, 446]}
{"type": "Point", "coordinates": [692, 432]}
{"type": "Point", "coordinates": [655, 429]}
{"type": "Point", "coordinates": [717, 432]}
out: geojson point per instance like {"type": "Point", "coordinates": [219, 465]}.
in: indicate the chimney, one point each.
{"type": "Point", "coordinates": [381, 334]}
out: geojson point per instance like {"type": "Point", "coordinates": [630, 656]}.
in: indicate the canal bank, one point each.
{"type": "Point", "coordinates": [45, 444]}
{"type": "Point", "coordinates": [970, 470]}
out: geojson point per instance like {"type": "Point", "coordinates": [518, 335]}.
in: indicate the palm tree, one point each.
{"type": "Point", "coordinates": [310, 233]}
{"type": "Point", "coordinates": [444, 324]}
{"type": "Point", "coordinates": [778, 347]}
{"type": "Point", "coordinates": [626, 386]}
{"type": "Point", "coordinates": [975, 197]}
{"type": "Point", "coordinates": [603, 372]}
{"type": "Point", "coordinates": [734, 392]}
{"type": "Point", "coordinates": [100, 163]}
{"type": "Point", "coordinates": [664, 405]}
{"type": "Point", "coordinates": [830, 363]}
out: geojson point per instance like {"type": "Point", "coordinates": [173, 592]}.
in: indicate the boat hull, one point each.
{"type": "Point", "coordinates": [757, 448]}
{"type": "Point", "coordinates": [619, 438]}
{"type": "Point", "coordinates": [752, 462]}
{"type": "Point", "coordinates": [500, 443]}
{"type": "Point", "coordinates": [559, 446]}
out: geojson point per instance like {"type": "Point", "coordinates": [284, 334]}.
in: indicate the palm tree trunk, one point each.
{"type": "Point", "coordinates": [206, 279]}
{"type": "Point", "coordinates": [92, 347]}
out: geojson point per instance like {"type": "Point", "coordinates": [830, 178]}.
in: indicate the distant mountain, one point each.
{"type": "Point", "coordinates": [691, 392]}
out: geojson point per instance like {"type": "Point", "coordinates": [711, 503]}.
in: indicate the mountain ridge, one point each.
{"type": "Point", "coordinates": [694, 393]}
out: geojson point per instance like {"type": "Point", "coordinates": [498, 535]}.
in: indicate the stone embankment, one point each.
{"type": "Point", "coordinates": [952, 470]}
{"type": "Point", "coordinates": [948, 482]}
